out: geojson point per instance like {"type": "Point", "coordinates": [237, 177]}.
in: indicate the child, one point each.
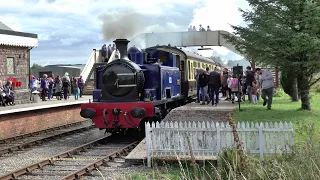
{"type": "Point", "coordinates": [254, 92]}
{"type": "Point", "coordinates": [228, 89]}
{"type": "Point", "coordinates": [234, 86]}
{"type": "Point", "coordinates": [75, 88]}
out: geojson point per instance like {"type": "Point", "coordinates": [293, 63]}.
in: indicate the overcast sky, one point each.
{"type": "Point", "coordinates": [68, 30]}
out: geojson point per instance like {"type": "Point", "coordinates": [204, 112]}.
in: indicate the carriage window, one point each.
{"type": "Point", "coordinates": [194, 64]}
{"type": "Point", "coordinates": [199, 64]}
{"type": "Point", "coordinates": [189, 68]}
{"type": "Point", "coordinates": [182, 65]}
{"type": "Point", "coordinates": [191, 72]}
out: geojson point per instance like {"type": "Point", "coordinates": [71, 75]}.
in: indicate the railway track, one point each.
{"type": "Point", "coordinates": [18, 143]}
{"type": "Point", "coordinates": [76, 162]}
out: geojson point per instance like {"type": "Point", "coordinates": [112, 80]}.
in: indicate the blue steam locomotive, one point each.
{"type": "Point", "coordinates": [142, 85]}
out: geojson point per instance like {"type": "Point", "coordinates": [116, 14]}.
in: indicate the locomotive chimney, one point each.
{"type": "Point", "coordinates": [122, 46]}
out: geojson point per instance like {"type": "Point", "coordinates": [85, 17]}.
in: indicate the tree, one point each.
{"type": "Point", "coordinates": [216, 59]}
{"type": "Point", "coordinates": [284, 34]}
{"type": "Point", "coordinates": [35, 66]}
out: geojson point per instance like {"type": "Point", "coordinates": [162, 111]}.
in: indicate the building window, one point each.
{"type": "Point", "coordinates": [10, 65]}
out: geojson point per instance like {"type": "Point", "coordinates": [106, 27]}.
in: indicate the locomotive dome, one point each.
{"type": "Point", "coordinates": [134, 49]}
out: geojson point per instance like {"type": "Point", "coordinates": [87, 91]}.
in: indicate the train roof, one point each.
{"type": "Point", "coordinates": [186, 54]}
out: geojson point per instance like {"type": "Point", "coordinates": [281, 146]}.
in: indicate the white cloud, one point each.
{"type": "Point", "coordinates": [69, 30]}
{"type": "Point", "coordinates": [218, 14]}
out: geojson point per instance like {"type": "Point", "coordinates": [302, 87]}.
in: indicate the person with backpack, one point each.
{"type": "Point", "coordinates": [65, 87]}
{"type": "Point", "coordinates": [58, 86]}
{"type": "Point", "coordinates": [234, 86]}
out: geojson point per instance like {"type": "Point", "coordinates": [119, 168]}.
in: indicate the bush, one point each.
{"type": "Point", "coordinates": [279, 93]}
{"type": "Point", "coordinates": [286, 82]}
{"type": "Point", "coordinates": [316, 87]}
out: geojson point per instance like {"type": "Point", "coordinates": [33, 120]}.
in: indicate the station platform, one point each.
{"type": "Point", "coordinates": [28, 118]}
{"type": "Point", "coordinates": [195, 112]}
{"type": "Point", "coordinates": [43, 105]}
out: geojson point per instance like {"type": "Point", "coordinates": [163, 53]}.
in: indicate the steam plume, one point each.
{"type": "Point", "coordinates": [122, 25]}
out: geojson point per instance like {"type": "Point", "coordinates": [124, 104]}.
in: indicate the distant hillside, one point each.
{"type": "Point", "coordinates": [241, 62]}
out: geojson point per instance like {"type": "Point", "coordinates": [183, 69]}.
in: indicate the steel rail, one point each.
{"type": "Point", "coordinates": [39, 140]}
{"type": "Point", "coordinates": [22, 136]}
{"type": "Point", "coordinates": [102, 161]}
{"type": "Point", "coordinates": [39, 165]}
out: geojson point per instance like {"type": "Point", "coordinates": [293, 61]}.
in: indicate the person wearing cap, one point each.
{"type": "Point", "coordinates": [33, 85]}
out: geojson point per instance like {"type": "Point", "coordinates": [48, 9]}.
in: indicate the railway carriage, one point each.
{"type": "Point", "coordinates": [142, 85]}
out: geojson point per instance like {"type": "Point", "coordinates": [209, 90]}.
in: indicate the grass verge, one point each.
{"type": "Point", "coordinates": [283, 110]}
{"type": "Point", "coordinates": [303, 163]}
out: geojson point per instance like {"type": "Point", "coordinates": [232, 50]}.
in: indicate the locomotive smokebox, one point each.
{"type": "Point", "coordinates": [122, 46]}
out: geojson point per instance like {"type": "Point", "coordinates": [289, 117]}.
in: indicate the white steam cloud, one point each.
{"type": "Point", "coordinates": [122, 25]}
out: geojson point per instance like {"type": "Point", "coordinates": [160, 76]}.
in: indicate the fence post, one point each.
{"type": "Point", "coordinates": [261, 142]}
{"type": "Point", "coordinates": [148, 143]}
{"type": "Point", "coordinates": [218, 138]}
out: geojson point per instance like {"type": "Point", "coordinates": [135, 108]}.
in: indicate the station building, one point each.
{"type": "Point", "coordinates": [15, 50]}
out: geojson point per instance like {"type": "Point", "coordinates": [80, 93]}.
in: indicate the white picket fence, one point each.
{"type": "Point", "coordinates": [209, 138]}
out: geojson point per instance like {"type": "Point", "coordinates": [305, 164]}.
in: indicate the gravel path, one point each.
{"type": "Point", "coordinates": [117, 170]}
{"type": "Point", "coordinates": [197, 112]}
{"type": "Point", "coordinates": [34, 154]}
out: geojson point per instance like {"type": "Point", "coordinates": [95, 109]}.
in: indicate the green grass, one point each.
{"type": "Point", "coordinates": [304, 163]}
{"type": "Point", "coordinates": [283, 110]}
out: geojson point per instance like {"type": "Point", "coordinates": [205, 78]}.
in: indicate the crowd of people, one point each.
{"type": "Point", "coordinates": [193, 28]}
{"type": "Point", "coordinates": [58, 86]}
{"type": "Point", "coordinates": [107, 51]}
{"type": "Point", "coordinates": [234, 87]}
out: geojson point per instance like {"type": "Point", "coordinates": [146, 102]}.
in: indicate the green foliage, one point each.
{"type": "Point", "coordinates": [316, 87]}
{"type": "Point", "coordinates": [279, 93]}
{"type": "Point", "coordinates": [35, 66]}
{"type": "Point", "coordinates": [286, 82]}
{"type": "Point", "coordinates": [303, 163]}
{"type": "Point", "coordinates": [228, 163]}
{"type": "Point", "coordinates": [284, 34]}
{"type": "Point", "coordinates": [216, 59]}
